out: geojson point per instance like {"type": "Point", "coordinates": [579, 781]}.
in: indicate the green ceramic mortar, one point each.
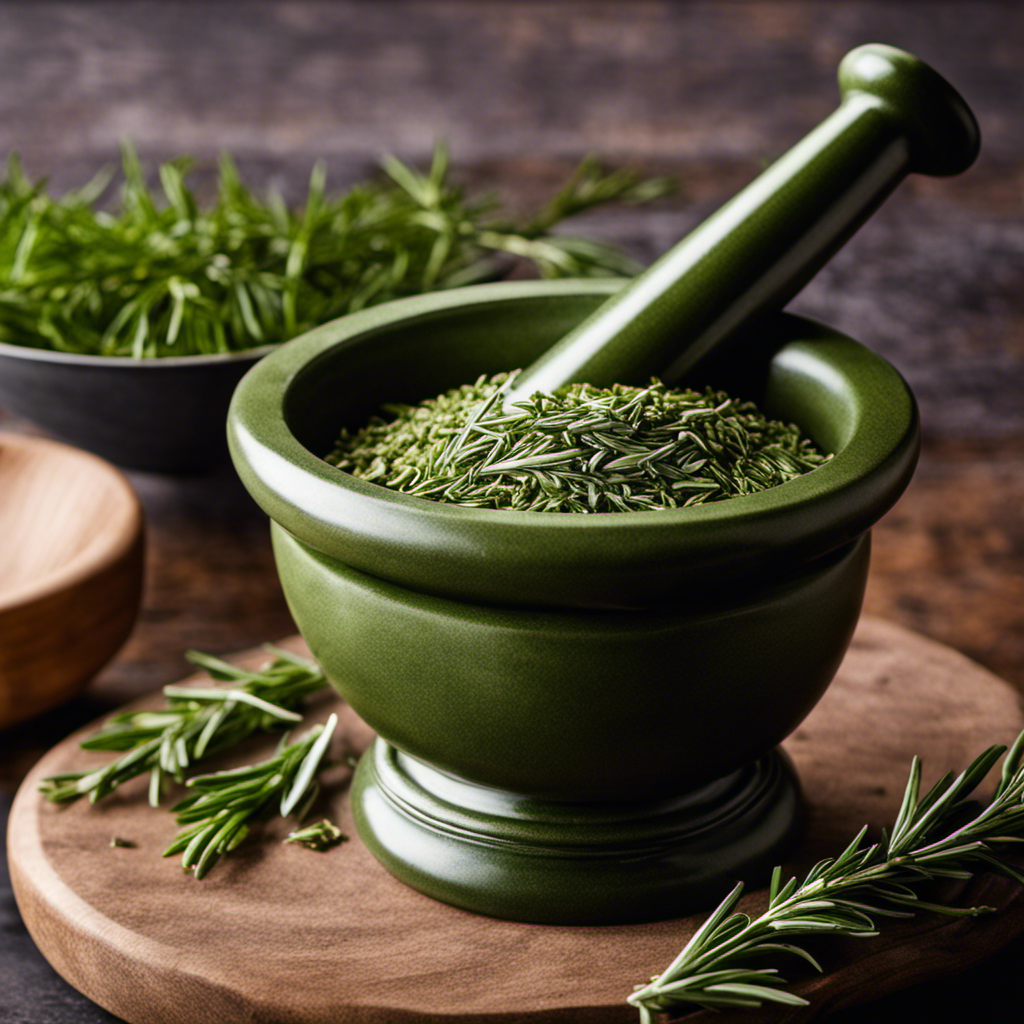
{"type": "Point", "coordinates": [579, 713]}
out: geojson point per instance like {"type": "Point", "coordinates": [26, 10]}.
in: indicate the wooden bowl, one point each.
{"type": "Point", "coordinates": [71, 557]}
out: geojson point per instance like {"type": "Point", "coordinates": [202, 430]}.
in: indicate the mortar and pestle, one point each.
{"type": "Point", "coordinates": [578, 714]}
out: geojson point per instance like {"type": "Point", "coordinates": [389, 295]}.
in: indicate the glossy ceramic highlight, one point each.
{"type": "Point", "coordinates": [287, 412]}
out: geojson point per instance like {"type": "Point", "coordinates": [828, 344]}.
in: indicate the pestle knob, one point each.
{"type": "Point", "coordinates": [756, 252]}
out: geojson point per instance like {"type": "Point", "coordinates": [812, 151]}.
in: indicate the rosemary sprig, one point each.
{"type": "Point", "coordinates": [930, 840]}
{"type": "Point", "coordinates": [585, 449]}
{"type": "Point", "coordinates": [197, 722]}
{"type": "Point", "coordinates": [218, 814]}
{"type": "Point", "coordinates": [164, 276]}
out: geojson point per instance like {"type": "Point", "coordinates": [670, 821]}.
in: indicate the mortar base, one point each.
{"type": "Point", "coordinates": [547, 862]}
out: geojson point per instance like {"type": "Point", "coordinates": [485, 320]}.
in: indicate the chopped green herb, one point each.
{"type": "Point", "coordinates": [321, 836]}
{"type": "Point", "coordinates": [162, 276]}
{"type": "Point", "coordinates": [584, 449]}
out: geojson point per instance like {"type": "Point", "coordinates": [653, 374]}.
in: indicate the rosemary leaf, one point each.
{"type": "Point", "coordinates": [218, 815]}
{"type": "Point", "coordinates": [196, 723]}
{"type": "Point", "coordinates": [232, 697]}
{"type": "Point", "coordinates": [930, 840]}
{"type": "Point", "coordinates": [306, 771]}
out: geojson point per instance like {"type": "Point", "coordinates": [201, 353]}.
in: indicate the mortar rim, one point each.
{"type": "Point", "coordinates": [400, 537]}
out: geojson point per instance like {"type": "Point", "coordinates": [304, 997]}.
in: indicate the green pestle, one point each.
{"type": "Point", "coordinates": [756, 252]}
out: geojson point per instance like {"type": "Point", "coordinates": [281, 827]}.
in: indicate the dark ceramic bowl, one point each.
{"type": "Point", "coordinates": [563, 660]}
{"type": "Point", "coordinates": [159, 415]}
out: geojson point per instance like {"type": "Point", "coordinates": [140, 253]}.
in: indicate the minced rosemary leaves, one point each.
{"type": "Point", "coordinates": [584, 449]}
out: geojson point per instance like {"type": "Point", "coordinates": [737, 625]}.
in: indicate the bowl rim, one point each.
{"type": "Point", "coordinates": [49, 355]}
{"type": "Point", "coordinates": [95, 558]}
{"type": "Point", "coordinates": [399, 536]}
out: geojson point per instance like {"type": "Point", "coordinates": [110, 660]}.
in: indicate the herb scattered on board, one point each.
{"type": "Point", "coordinates": [320, 836]}
{"type": "Point", "coordinates": [216, 816]}
{"type": "Point", "coordinates": [584, 449]}
{"type": "Point", "coordinates": [930, 840]}
{"type": "Point", "coordinates": [161, 276]}
{"type": "Point", "coordinates": [197, 722]}
{"type": "Point", "coordinates": [200, 721]}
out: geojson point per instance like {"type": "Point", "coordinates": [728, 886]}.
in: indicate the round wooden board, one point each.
{"type": "Point", "coordinates": [279, 934]}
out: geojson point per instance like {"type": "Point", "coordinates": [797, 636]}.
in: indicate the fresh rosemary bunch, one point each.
{"type": "Point", "coordinates": [937, 836]}
{"type": "Point", "coordinates": [584, 449]}
{"type": "Point", "coordinates": [197, 722]}
{"type": "Point", "coordinates": [218, 814]}
{"type": "Point", "coordinates": [163, 276]}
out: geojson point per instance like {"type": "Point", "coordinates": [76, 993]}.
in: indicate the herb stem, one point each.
{"type": "Point", "coordinates": [198, 722]}
{"type": "Point", "coordinates": [218, 814]}
{"type": "Point", "coordinates": [844, 895]}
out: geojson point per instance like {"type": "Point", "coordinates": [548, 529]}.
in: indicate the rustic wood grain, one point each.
{"type": "Point", "coordinates": [948, 560]}
{"type": "Point", "coordinates": [277, 933]}
{"type": "Point", "coordinates": [70, 571]}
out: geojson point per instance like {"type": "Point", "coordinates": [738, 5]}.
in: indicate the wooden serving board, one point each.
{"type": "Point", "coordinates": [279, 934]}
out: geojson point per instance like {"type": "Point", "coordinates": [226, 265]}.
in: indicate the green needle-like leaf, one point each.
{"type": "Point", "coordinates": [308, 768]}
{"type": "Point", "coordinates": [166, 276]}
{"type": "Point", "coordinates": [198, 722]}
{"type": "Point", "coordinates": [929, 840]}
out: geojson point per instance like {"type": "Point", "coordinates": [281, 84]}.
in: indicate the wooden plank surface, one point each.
{"type": "Point", "coordinates": [523, 89]}
{"type": "Point", "coordinates": [276, 933]}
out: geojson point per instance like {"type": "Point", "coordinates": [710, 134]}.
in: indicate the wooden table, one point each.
{"type": "Point", "coordinates": [522, 90]}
